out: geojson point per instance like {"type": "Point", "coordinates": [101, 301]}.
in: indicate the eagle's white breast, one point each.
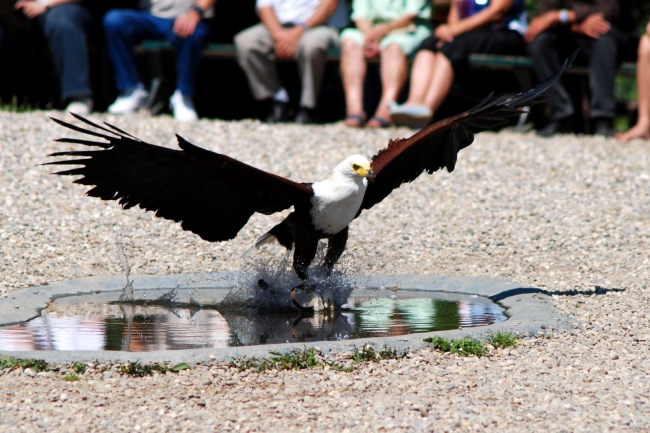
{"type": "Point", "coordinates": [335, 203]}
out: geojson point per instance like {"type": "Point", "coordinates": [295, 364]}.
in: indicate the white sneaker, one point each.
{"type": "Point", "coordinates": [127, 104]}
{"type": "Point", "coordinates": [182, 107]}
{"type": "Point", "coordinates": [82, 107]}
{"type": "Point", "coordinates": [415, 116]}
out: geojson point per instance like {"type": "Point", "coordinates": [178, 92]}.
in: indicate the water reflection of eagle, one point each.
{"type": "Point", "coordinates": [214, 195]}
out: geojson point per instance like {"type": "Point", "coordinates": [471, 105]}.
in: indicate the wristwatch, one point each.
{"type": "Point", "coordinates": [564, 15]}
{"type": "Point", "coordinates": [198, 10]}
{"type": "Point", "coordinates": [45, 3]}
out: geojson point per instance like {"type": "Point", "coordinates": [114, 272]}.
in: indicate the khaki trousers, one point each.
{"type": "Point", "coordinates": [255, 54]}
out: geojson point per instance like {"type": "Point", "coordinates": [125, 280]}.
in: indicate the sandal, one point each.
{"type": "Point", "coordinates": [377, 122]}
{"type": "Point", "coordinates": [355, 120]}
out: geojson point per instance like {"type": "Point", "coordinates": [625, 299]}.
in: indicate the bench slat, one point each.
{"type": "Point", "coordinates": [482, 61]}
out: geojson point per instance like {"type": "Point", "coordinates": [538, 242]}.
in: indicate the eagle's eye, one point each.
{"type": "Point", "coordinates": [355, 167]}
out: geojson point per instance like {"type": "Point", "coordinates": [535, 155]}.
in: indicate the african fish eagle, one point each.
{"type": "Point", "coordinates": [214, 195]}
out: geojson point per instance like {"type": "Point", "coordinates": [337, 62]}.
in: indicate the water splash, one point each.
{"type": "Point", "coordinates": [280, 278]}
{"type": "Point", "coordinates": [168, 297]}
{"type": "Point", "coordinates": [127, 291]}
{"type": "Point", "coordinates": [128, 313]}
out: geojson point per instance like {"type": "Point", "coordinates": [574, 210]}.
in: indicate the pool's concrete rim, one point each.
{"type": "Point", "coordinates": [529, 310]}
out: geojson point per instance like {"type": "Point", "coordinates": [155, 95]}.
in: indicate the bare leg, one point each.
{"type": "Point", "coordinates": [421, 74]}
{"type": "Point", "coordinates": [642, 127]}
{"type": "Point", "coordinates": [353, 71]}
{"type": "Point", "coordinates": [394, 71]}
{"type": "Point", "coordinates": [431, 80]}
{"type": "Point", "coordinates": [441, 81]}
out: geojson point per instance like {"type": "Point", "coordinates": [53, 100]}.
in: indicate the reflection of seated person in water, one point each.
{"type": "Point", "coordinates": [184, 330]}
{"type": "Point", "coordinates": [55, 333]}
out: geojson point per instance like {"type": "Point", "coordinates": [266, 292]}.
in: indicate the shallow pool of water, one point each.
{"type": "Point", "coordinates": [96, 322]}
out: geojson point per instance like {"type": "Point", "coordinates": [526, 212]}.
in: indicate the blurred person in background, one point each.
{"type": "Point", "coordinates": [66, 25]}
{"type": "Point", "coordinates": [391, 30]}
{"type": "Point", "coordinates": [560, 27]}
{"type": "Point", "coordinates": [289, 29]}
{"type": "Point", "coordinates": [473, 26]}
{"type": "Point", "coordinates": [180, 22]}
{"type": "Point", "coordinates": [642, 127]}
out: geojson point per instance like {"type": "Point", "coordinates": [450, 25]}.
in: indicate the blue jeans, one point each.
{"type": "Point", "coordinates": [125, 27]}
{"type": "Point", "coordinates": [66, 27]}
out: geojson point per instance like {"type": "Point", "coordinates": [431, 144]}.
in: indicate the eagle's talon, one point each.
{"type": "Point", "coordinates": [302, 286]}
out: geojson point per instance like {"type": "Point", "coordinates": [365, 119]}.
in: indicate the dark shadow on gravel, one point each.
{"type": "Point", "coordinates": [525, 290]}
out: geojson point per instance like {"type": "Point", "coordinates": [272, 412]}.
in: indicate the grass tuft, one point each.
{"type": "Point", "coordinates": [311, 358]}
{"type": "Point", "coordinates": [502, 339]}
{"type": "Point", "coordinates": [464, 347]}
{"type": "Point", "coordinates": [79, 367]}
{"type": "Point", "coordinates": [14, 107]}
{"type": "Point", "coordinates": [295, 360]}
{"type": "Point", "coordinates": [177, 367]}
{"type": "Point", "coordinates": [137, 369]}
{"type": "Point", "coordinates": [35, 364]}
{"type": "Point", "coordinates": [71, 377]}
{"type": "Point", "coordinates": [368, 354]}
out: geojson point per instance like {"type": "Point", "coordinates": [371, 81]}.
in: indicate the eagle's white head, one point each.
{"type": "Point", "coordinates": [355, 167]}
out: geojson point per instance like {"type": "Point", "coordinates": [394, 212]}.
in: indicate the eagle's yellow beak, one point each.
{"type": "Point", "coordinates": [366, 171]}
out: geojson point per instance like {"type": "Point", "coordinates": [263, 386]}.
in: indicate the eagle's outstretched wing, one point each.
{"type": "Point", "coordinates": [210, 194]}
{"type": "Point", "coordinates": [437, 145]}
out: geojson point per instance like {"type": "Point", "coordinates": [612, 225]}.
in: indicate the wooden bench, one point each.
{"type": "Point", "coordinates": [520, 66]}
{"type": "Point", "coordinates": [477, 61]}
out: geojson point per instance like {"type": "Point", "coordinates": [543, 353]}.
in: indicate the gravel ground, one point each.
{"type": "Point", "coordinates": [566, 214]}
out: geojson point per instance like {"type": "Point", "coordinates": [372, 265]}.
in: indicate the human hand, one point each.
{"type": "Point", "coordinates": [185, 24]}
{"type": "Point", "coordinates": [31, 9]}
{"type": "Point", "coordinates": [538, 25]}
{"type": "Point", "coordinates": [445, 33]}
{"type": "Point", "coordinates": [593, 26]}
{"type": "Point", "coordinates": [371, 43]}
{"type": "Point", "coordinates": [286, 41]}
{"type": "Point", "coordinates": [371, 49]}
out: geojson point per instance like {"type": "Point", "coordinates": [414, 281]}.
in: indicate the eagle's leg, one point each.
{"type": "Point", "coordinates": [335, 248]}
{"type": "Point", "coordinates": [303, 255]}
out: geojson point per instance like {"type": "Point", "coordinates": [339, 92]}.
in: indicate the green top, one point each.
{"type": "Point", "coordinates": [379, 11]}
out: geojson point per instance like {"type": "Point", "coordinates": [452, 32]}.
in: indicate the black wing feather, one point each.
{"type": "Point", "coordinates": [437, 145]}
{"type": "Point", "coordinates": [210, 194]}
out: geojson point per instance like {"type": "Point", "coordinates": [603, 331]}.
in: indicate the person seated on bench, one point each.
{"type": "Point", "coordinates": [290, 29]}
{"type": "Point", "coordinates": [473, 26]}
{"type": "Point", "coordinates": [642, 127]}
{"type": "Point", "coordinates": [388, 29]}
{"type": "Point", "coordinates": [66, 25]}
{"type": "Point", "coordinates": [562, 26]}
{"type": "Point", "coordinates": [178, 21]}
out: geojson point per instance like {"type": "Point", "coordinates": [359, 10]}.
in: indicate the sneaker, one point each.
{"type": "Point", "coordinates": [82, 107]}
{"type": "Point", "coordinates": [182, 107]}
{"type": "Point", "coordinates": [415, 116]}
{"type": "Point", "coordinates": [129, 103]}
